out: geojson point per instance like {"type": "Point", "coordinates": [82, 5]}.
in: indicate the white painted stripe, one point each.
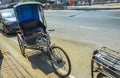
{"type": "Point", "coordinates": [91, 28]}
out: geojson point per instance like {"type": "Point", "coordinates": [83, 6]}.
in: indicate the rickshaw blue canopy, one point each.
{"type": "Point", "coordinates": [26, 11]}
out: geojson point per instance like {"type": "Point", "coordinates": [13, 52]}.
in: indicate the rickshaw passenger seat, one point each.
{"type": "Point", "coordinates": [32, 26]}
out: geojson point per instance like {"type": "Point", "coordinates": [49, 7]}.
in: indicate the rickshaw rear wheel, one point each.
{"type": "Point", "coordinates": [60, 61]}
{"type": "Point", "coordinates": [101, 75]}
{"type": "Point", "coordinates": [21, 46]}
{"type": "Point", "coordinates": [92, 68]}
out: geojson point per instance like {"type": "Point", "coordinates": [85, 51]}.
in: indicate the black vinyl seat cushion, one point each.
{"type": "Point", "coordinates": [31, 41]}
{"type": "Point", "coordinates": [33, 30]}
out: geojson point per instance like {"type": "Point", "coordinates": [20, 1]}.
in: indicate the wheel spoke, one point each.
{"type": "Point", "coordinates": [61, 62]}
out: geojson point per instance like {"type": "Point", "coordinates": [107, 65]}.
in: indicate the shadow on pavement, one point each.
{"type": "Point", "coordinates": [8, 35]}
{"type": "Point", "coordinates": [41, 62]}
{"type": "Point", "coordinates": [1, 62]}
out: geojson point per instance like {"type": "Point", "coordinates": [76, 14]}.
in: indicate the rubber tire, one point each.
{"type": "Point", "coordinates": [92, 68]}
{"type": "Point", "coordinates": [68, 60]}
{"type": "Point", "coordinates": [21, 46]}
{"type": "Point", "coordinates": [5, 30]}
{"type": "Point", "coordinates": [101, 75]}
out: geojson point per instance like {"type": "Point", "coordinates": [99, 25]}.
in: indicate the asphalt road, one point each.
{"type": "Point", "coordinates": [101, 27]}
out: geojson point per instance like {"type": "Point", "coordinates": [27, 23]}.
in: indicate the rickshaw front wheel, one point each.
{"type": "Point", "coordinates": [60, 61]}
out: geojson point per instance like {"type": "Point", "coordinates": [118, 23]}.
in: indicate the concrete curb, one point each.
{"type": "Point", "coordinates": [95, 7]}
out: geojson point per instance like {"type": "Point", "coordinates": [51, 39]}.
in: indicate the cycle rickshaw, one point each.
{"type": "Point", "coordinates": [105, 63]}
{"type": "Point", "coordinates": [33, 34]}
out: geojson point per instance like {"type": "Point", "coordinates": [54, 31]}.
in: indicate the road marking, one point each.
{"type": "Point", "coordinates": [91, 28]}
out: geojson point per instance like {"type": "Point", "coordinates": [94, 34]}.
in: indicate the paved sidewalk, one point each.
{"type": "Point", "coordinates": [9, 67]}
{"type": "Point", "coordinates": [96, 7]}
